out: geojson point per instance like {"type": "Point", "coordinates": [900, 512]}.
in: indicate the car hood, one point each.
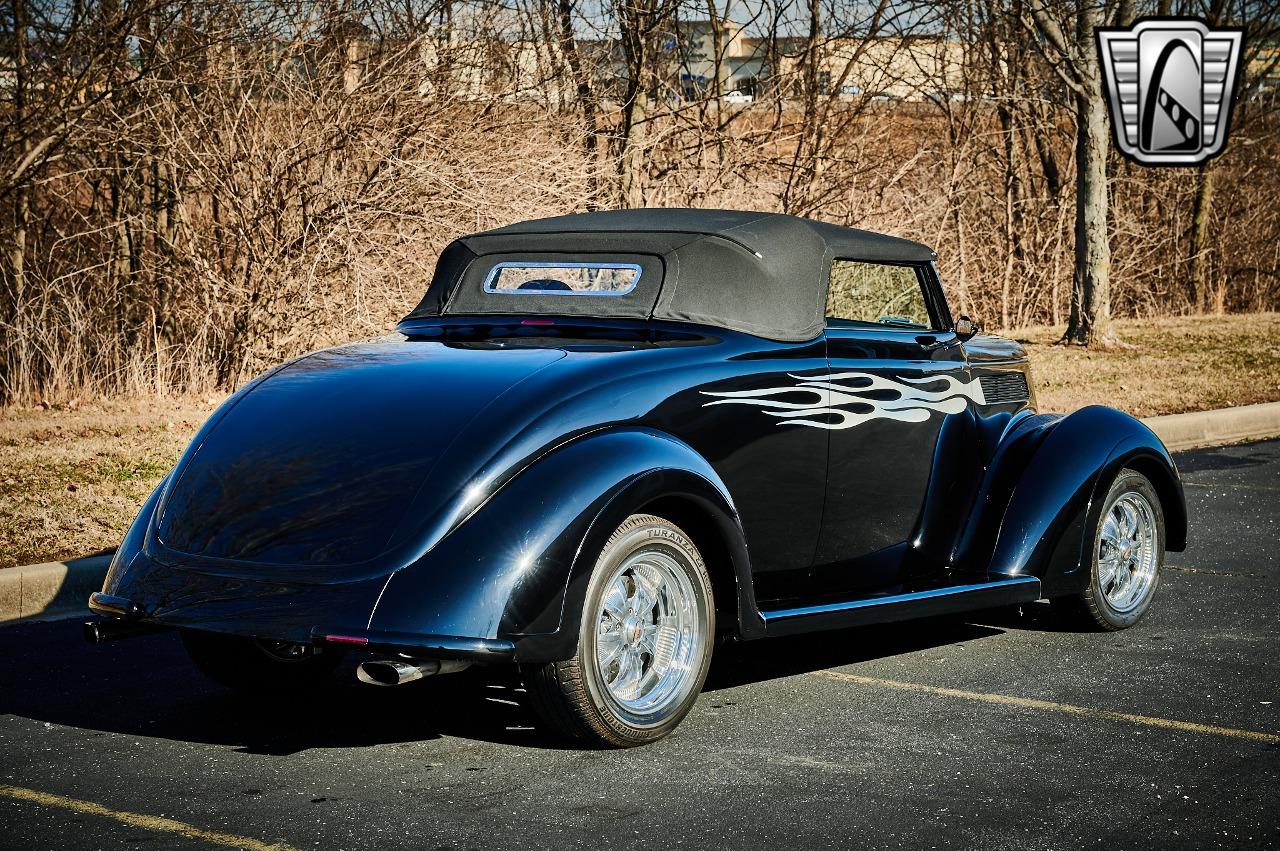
{"type": "Point", "coordinates": [320, 463]}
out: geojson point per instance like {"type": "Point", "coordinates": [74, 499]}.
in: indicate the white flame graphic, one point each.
{"type": "Point", "coordinates": [913, 404]}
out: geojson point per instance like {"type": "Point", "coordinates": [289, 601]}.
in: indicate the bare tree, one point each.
{"type": "Point", "coordinates": [640, 25]}
{"type": "Point", "coordinates": [1260, 60]}
{"type": "Point", "coordinates": [1066, 37]}
{"type": "Point", "coordinates": [15, 296]}
{"type": "Point", "coordinates": [193, 191]}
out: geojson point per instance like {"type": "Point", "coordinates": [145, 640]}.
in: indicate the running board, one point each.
{"type": "Point", "coordinates": [900, 607]}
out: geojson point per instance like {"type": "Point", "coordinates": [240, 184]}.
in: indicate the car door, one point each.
{"type": "Point", "coordinates": [897, 372]}
{"type": "Point", "coordinates": [741, 420]}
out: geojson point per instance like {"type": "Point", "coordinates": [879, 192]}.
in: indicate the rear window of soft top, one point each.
{"type": "Point", "coordinates": [562, 278]}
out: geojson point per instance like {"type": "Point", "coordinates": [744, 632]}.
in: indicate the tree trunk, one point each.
{"type": "Point", "coordinates": [1012, 218]}
{"type": "Point", "coordinates": [630, 163]}
{"type": "Point", "coordinates": [717, 75]}
{"type": "Point", "coordinates": [636, 38]}
{"type": "Point", "coordinates": [21, 201]}
{"type": "Point", "coordinates": [1200, 250]}
{"type": "Point", "coordinates": [164, 197]}
{"type": "Point", "coordinates": [1090, 319]}
{"type": "Point", "coordinates": [805, 165]}
{"type": "Point", "coordinates": [586, 97]}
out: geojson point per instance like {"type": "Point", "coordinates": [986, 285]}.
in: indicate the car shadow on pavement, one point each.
{"type": "Point", "coordinates": [147, 687]}
{"type": "Point", "coordinates": [756, 661]}
{"type": "Point", "coordinates": [1225, 457]}
{"type": "Point", "coordinates": [1040, 616]}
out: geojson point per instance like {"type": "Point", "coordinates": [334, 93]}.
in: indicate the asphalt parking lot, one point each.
{"type": "Point", "coordinates": [1000, 731]}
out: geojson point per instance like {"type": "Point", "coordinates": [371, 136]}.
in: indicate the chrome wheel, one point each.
{"type": "Point", "coordinates": [1125, 540]}
{"type": "Point", "coordinates": [1128, 552]}
{"type": "Point", "coordinates": [649, 633]}
{"type": "Point", "coordinates": [644, 641]}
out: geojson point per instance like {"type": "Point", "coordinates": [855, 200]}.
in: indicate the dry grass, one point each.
{"type": "Point", "coordinates": [1166, 366]}
{"type": "Point", "coordinates": [73, 478]}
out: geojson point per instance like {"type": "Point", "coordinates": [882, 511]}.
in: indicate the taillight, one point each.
{"type": "Point", "coordinates": [346, 639]}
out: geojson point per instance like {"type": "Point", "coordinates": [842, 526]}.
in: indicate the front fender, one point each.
{"type": "Point", "coordinates": [518, 566]}
{"type": "Point", "coordinates": [1056, 496]}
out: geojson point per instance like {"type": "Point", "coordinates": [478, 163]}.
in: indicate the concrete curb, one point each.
{"type": "Point", "coordinates": [59, 589]}
{"type": "Point", "coordinates": [1218, 427]}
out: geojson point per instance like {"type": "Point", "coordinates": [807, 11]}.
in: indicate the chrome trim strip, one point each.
{"type": "Point", "coordinates": [853, 605]}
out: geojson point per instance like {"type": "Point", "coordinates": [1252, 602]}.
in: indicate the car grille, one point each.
{"type": "Point", "coordinates": [1003, 387]}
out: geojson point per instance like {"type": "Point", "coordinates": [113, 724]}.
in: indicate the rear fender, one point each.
{"type": "Point", "coordinates": [518, 567]}
{"type": "Point", "coordinates": [1057, 495]}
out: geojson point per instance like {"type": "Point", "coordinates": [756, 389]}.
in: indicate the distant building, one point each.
{"type": "Point", "coordinates": [740, 66]}
{"type": "Point", "coordinates": [1263, 71]}
{"type": "Point", "coordinates": [891, 67]}
{"type": "Point", "coordinates": [907, 68]}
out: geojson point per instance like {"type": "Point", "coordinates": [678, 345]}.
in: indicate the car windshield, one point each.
{"type": "Point", "coordinates": [530, 278]}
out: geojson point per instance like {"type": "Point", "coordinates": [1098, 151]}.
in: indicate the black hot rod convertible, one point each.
{"type": "Point", "coordinates": [602, 441]}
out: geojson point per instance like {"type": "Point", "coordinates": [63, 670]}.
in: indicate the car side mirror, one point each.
{"type": "Point", "coordinates": [966, 328]}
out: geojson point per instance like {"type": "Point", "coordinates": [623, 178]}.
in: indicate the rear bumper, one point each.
{"type": "Point", "coordinates": [108, 604]}
{"type": "Point", "coordinates": [124, 619]}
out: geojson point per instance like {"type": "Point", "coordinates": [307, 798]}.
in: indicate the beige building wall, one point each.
{"type": "Point", "coordinates": [900, 68]}
{"type": "Point", "coordinates": [739, 65]}
{"type": "Point", "coordinates": [897, 68]}
{"type": "Point", "coordinates": [476, 70]}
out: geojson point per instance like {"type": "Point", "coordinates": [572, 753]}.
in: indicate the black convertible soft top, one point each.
{"type": "Point", "coordinates": [762, 273]}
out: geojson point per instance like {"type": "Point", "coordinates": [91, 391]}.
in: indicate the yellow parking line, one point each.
{"type": "Point", "coordinates": [1051, 706]}
{"type": "Point", "coordinates": [157, 823]}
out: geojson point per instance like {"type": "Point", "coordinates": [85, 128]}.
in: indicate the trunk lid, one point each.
{"type": "Point", "coordinates": [317, 464]}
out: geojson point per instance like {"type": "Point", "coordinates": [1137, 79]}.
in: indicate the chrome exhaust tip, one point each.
{"type": "Point", "coordinates": [397, 672]}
